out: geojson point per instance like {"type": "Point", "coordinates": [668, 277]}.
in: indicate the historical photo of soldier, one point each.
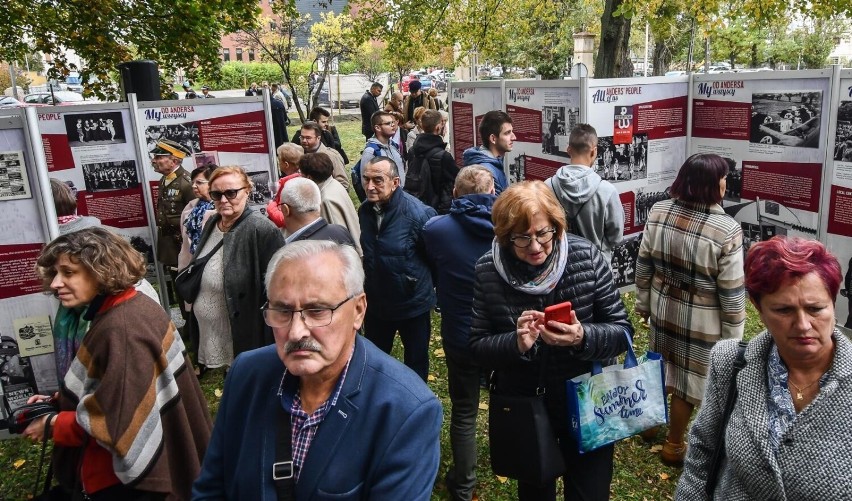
{"type": "Point", "coordinates": [624, 260]}
{"type": "Point", "coordinates": [643, 201]}
{"type": "Point", "coordinates": [516, 168]}
{"type": "Point", "coordinates": [102, 176]}
{"type": "Point", "coordinates": [734, 180]}
{"type": "Point", "coordinates": [843, 140]}
{"type": "Point", "coordinates": [786, 118]}
{"type": "Point", "coordinates": [556, 124]}
{"type": "Point", "coordinates": [622, 162]}
{"type": "Point", "coordinates": [89, 129]}
{"type": "Point", "coordinates": [185, 134]}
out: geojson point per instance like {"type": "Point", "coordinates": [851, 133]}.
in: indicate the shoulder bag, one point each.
{"type": "Point", "coordinates": [188, 281]}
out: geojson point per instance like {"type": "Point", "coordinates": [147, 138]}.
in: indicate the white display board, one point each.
{"type": "Point", "coordinates": [469, 101]}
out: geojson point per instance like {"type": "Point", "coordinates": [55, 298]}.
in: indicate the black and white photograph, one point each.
{"type": "Point", "coordinates": [622, 162]}
{"type": "Point", "coordinates": [206, 159]}
{"type": "Point", "coordinates": [516, 169]}
{"type": "Point", "coordinates": [843, 141]}
{"type": "Point", "coordinates": [623, 261]}
{"type": "Point", "coordinates": [104, 176]}
{"type": "Point", "coordinates": [14, 184]}
{"type": "Point", "coordinates": [643, 201]}
{"type": "Point", "coordinates": [734, 181]}
{"type": "Point", "coordinates": [186, 134]}
{"type": "Point", "coordinates": [90, 129]}
{"type": "Point", "coordinates": [261, 194]}
{"type": "Point", "coordinates": [786, 118]}
{"type": "Point", "coordinates": [16, 373]}
{"type": "Point", "coordinates": [556, 124]}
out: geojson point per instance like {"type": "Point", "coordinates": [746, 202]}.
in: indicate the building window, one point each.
{"type": "Point", "coordinates": [251, 55]}
{"type": "Point", "coordinates": [226, 55]}
{"type": "Point", "coordinates": [239, 54]}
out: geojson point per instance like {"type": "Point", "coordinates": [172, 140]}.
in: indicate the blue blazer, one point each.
{"type": "Point", "coordinates": [381, 440]}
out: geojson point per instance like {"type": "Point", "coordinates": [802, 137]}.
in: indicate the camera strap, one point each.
{"type": "Point", "coordinates": [282, 469]}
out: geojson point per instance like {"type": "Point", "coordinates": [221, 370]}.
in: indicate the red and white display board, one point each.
{"type": "Point", "coordinates": [837, 221]}
{"type": "Point", "coordinates": [543, 113]}
{"type": "Point", "coordinates": [642, 126]}
{"type": "Point", "coordinates": [26, 341]}
{"type": "Point", "coordinates": [773, 129]}
{"type": "Point", "coordinates": [468, 102]}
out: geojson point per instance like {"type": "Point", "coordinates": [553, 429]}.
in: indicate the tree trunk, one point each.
{"type": "Point", "coordinates": [613, 60]}
{"type": "Point", "coordinates": [754, 61]}
{"type": "Point", "coordinates": [662, 58]}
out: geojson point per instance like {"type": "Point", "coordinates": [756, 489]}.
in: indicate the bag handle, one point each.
{"type": "Point", "coordinates": [630, 360]}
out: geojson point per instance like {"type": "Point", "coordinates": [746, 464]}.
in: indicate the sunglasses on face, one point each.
{"type": "Point", "coordinates": [229, 194]}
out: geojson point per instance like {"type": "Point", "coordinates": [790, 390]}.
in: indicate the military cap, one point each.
{"type": "Point", "coordinates": [169, 147]}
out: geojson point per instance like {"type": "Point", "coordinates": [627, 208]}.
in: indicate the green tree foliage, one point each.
{"type": "Point", "coordinates": [175, 33]}
{"type": "Point", "coordinates": [239, 75]}
{"type": "Point", "coordinates": [21, 79]}
{"type": "Point", "coordinates": [332, 40]}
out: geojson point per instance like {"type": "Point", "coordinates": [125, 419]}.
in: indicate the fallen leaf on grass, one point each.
{"type": "Point", "coordinates": [664, 476]}
{"type": "Point", "coordinates": [430, 377]}
{"type": "Point", "coordinates": [502, 480]}
{"type": "Point", "coordinates": [483, 406]}
{"type": "Point", "coordinates": [656, 448]}
{"type": "Point", "coordinates": [439, 353]}
{"type": "Point", "coordinates": [217, 392]}
{"type": "Point", "coordinates": [19, 463]}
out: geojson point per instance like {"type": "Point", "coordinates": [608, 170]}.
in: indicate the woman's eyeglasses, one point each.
{"type": "Point", "coordinates": [229, 194]}
{"type": "Point", "coordinates": [542, 237]}
{"type": "Point", "coordinates": [199, 182]}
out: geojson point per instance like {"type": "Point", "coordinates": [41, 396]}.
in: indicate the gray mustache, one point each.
{"type": "Point", "coordinates": [306, 344]}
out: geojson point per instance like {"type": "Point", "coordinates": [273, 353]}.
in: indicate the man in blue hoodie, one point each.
{"type": "Point", "coordinates": [454, 243]}
{"type": "Point", "coordinates": [592, 205]}
{"type": "Point", "coordinates": [495, 131]}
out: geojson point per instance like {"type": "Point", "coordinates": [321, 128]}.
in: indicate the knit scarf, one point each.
{"type": "Point", "coordinates": [545, 277]}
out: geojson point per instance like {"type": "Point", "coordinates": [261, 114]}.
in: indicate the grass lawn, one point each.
{"type": "Point", "coordinates": [638, 475]}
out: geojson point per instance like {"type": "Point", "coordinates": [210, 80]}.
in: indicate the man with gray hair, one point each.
{"type": "Point", "coordinates": [454, 243]}
{"type": "Point", "coordinates": [300, 204]}
{"type": "Point", "coordinates": [322, 410]}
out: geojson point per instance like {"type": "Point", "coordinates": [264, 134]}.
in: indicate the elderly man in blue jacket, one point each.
{"type": "Point", "coordinates": [322, 413]}
{"type": "Point", "coordinates": [399, 281]}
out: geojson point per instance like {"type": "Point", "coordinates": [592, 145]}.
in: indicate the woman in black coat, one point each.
{"type": "Point", "coordinates": [535, 263]}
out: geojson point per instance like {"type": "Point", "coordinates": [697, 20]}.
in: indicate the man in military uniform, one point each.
{"type": "Point", "coordinates": [175, 191]}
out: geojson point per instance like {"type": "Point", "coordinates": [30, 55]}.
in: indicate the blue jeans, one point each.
{"type": "Point", "coordinates": [463, 379]}
{"type": "Point", "coordinates": [414, 333]}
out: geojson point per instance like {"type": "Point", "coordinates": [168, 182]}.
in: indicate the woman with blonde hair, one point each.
{"type": "Point", "coordinates": [534, 263]}
{"type": "Point", "coordinates": [241, 242]}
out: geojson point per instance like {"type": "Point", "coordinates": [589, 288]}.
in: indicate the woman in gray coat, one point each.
{"type": "Point", "coordinates": [787, 437]}
{"type": "Point", "coordinates": [228, 303]}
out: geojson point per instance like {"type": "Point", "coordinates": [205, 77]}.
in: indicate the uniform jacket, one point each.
{"type": "Point", "coordinates": [380, 441]}
{"type": "Point", "coordinates": [814, 461]}
{"type": "Point", "coordinates": [398, 281]}
{"type": "Point", "coordinates": [247, 250]}
{"type": "Point", "coordinates": [171, 199]}
{"type": "Point", "coordinates": [592, 206]}
{"type": "Point", "coordinates": [454, 243]}
{"type": "Point", "coordinates": [481, 156]}
{"type": "Point", "coordinates": [587, 283]}
{"type": "Point", "coordinates": [336, 207]}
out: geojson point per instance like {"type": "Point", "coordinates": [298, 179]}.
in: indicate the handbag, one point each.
{"type": "Point", "coordinates": [522, 442]}
{"type": "Point", "coordinates": [617, 402]}
{"type": "Point", "coordinates": [188, 281]}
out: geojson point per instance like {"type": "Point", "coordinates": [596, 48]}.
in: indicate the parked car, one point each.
{"type": "Point", "coordinates": [61, 97]}
{"type": "Point", "coordinates": [425, 82]}
{"type": "Point", "coordinates": [9, 102]}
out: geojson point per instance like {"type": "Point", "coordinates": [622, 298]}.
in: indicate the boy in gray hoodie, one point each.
{"type": "Point", "coordinates": [592, 205]}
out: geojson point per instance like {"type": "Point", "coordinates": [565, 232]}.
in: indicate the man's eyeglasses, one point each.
{"type": "Point", "coordinates": [309, 138]}
{"type": "Point", "coordinates": [313, 317]}
{"type": "Point", "coordinates": [542, 237]}
{"type": "Point", "coordinates": [229, 194]}
{"type": "Point", "coordinates": [388, 124]}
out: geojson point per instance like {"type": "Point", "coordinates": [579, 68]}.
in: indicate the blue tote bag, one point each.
{"type": "Point", "coordinates": [617, 402]}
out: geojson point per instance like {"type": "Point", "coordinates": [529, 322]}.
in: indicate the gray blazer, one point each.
{"type": "Point", "coordinates": [814, 461]}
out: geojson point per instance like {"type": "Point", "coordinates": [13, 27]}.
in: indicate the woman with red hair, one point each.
{"type": "Point", "coordinates": [689, 282]}
{"type": "Point", "coordinates": [787, 435]}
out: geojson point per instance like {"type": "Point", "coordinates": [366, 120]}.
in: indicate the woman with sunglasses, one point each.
{"type": "Point", "coordinates": [228, 304]}
{"type": "Point", "coordinates": [535, 263]}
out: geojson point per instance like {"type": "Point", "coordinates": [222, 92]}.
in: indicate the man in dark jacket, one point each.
{"type": "Point", "coordinates": [398, 280]}
{"type": "Point", "coordinates": [431, 169]}
{"type": "Point", "coordinates": [495, 131]}
{"type": "Point", "coordinates": [300, 203]}
{"type": "Point", "coordinates": [454, 243]}
{"type": "Point", "coordinates": [369, 104]}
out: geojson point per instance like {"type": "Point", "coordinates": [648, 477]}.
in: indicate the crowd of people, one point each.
{"type": "Point", "coordinates": [300, 307]}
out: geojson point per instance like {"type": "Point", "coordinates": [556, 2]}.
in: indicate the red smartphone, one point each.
{"type": "Point", "coordinates": [559, 312]}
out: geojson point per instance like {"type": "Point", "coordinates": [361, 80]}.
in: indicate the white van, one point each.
{"type": "Point", "coordinates": [346, 90]}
